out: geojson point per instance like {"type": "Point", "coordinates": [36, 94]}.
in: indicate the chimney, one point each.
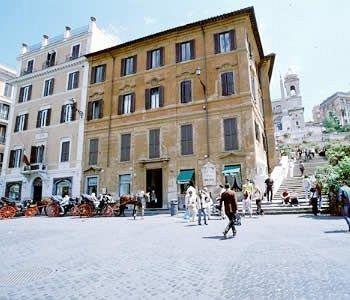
{"type": "Point", "coordinates": [45, 40]}
{"type": "Point", "coordinates": [92, 24]}
{"type": "Point", "coordinates": [67, 32]}
{"type": "Point", "coordinates": [24, 48]}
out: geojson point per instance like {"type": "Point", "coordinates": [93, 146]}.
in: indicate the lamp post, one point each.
{"type": "Point", "coordinates": [74, 106]}
{"type": "Point", "coordinates": [205, 107]}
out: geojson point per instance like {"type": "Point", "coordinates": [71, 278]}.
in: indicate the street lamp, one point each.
{"type": "Point", "coordinates": [198, 73]}
{"type": "Point", "coordinates": [74, 106]}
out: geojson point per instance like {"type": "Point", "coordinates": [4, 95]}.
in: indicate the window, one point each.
{"type": "Point", "coordinates": [4, 111]}
{"type": "Point", "coordinates": [93, 152]}
{"type": "Point", "coordinates": [154, 143]}
{"type": "Point", "coordinates": [186, 139]}
{"type": "Point", "coordinates": [62, 186]}
{"type": "Point", "coordinates": [51, 58]}
{"type": "Point", "coordinates": [154, 97]}
{"type": "Point", "coordinates": [155, 58]}
{"type": "Point", "coordinates": [98, 74]}
{"type": "Point", "coordinates": [8, 90]}
{"type": "Point", "coordinates": [37, 154]}
{"type": "Point", "coordinates": [25, 93]}
{"type": "Point", "coordinates": [257, 132]}
{"type": "Point", "coordinates": [297, 123]}
{"type": "Point", "coordinates": [2, 134]}
{"type": "Point", "coordinates": [230, 134]}
{"type": "Point", "coordinates": [95, 110]}
{"type": "Point", "coordinates": [43, 118]}
{"type": "Point", "coordinates": [91, 185]}
{"type": "Point", "coordinates": [186, 91]}
{"type": "Point", "coordinates": [185, 51]}
{"type": "Point", "coordinates": [128, 66]}
{"type": "Point", "coordinates": [75, 51]}
{"type": "Point", "coordinates": [124, 184]}
{"type": "Point", "coordinates": [67, 114]}
{"type": "Point", "coordinates": [227, 84]}
{"type": "Point", "coordinates": [65, 151]}
{"type": "Point", "coordinates": [73, 80]}
{"type": "Point", "coordinates": [21, 122]}
{"type": "Point", "coordinates": [48, 87]}
{"type": "Point", "coordinates": [279, 126]}
{"type": "Point", "coordinates": [15, 158]}
{"type": "Point", "coordinates": [126, 104]}
{"type": "Point", "coordinates": [30, 65]}
{"type": "Point", "coordinates": [13, 191]}
{"type": "Point", "coordinates": [224, 42]}
{"type": "Point", "coordinates": [125, 147]}
{"type": "Point", "coordinates": [252, 80]}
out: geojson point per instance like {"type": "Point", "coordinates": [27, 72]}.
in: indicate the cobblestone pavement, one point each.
{"type": "Point", "coordinates": [162, 257]}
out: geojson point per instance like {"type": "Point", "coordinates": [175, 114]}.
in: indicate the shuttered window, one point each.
{"type": "Point", "coordinates": [126, 104]}
{"type": "Point", "coordinates": [125, 147]}
{"type": "Point", "coordinates": [37, 154]}
{"type": "Point", "coordinates": [65, 151]}
{"type": "Point", "coordinates": [67, 113]}
{"type": "Point", "coordinates": [186, 91]}
{"type": "Point", "coordinates": [98, 74]}
{"type": "Point", "coordinates": [186, 139]}
{"type": "Point", "coordinates": [43, 118]}
{"type": "Point", "coordinates": [154, 151]}
{"type": "Point", "coordinates": [75, 51]}
{"type": "Point", "coordinates": [48, 87]}
{"type": "Point", "coordinates": [95, 110]}
{"type": "Point", "coordinates": [25, 93]}
{"type": "Point", "coordinates": [227, 84]}
{"type": "Point", "coordinates": [73, 80]}
{"type": "Point", "coordinates": [154, 97]}
{"type": "Point", "coordinates": [15, 158]}
{"type": "Point", "coordinates": [155, 58]}
{"type": "Point", "coordinates": [21, 123]}
{"type": "Point", "coordinates": [128, 66]}
{"type": "Point", "coordinates": [230, 134]}
{"type": "Point", "coordinates": [224, 41]}
{"type": "Point", "coordinates": [185, 51]}
{"type": "Point", "coordinates": [93, 152]}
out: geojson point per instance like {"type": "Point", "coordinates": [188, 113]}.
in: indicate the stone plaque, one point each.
{"type": "Point", "coordinates": [41, 136]}
{"type": "Point", "coordinates": [209, 174]}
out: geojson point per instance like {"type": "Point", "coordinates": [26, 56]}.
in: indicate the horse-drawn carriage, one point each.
{"type": "Point", "coordinates": [11, 209]}
{"type": "Point", "coordinates": [58, 206]}
{"type": "Point", "coordinates": [103, 205]}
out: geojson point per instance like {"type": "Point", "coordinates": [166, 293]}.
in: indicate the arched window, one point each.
{"type": "Point", "coordinates": [62, 187]}
{"type": "Point", "coordinates": [293, 90]}
{"type": "Point", "coordinates": [13, 191]}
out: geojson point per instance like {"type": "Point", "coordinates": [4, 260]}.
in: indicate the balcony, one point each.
{"type": "Point", "coordinates": [34, 169]}
{"type": "Point", "coordinates": [25, 72]}
{"type": "Point", "coordinates": [4, 117]}
{"type": "Point", "coordinates": [70, 58]}
{"type": "Point", "coordinates": [48, 64]}
{"type": "Point", "coordinates": [2, 140]}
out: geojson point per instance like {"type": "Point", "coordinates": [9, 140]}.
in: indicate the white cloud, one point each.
{"type": "Point", "coordinates": [149, 20]}
{"type": "Point", "coordinates": [114, 32]}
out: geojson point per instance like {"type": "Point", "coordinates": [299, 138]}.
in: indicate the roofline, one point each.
{"type": "Point", "coordinates": [244, 11]}
{"type": "Point", "coordinates": [332, 96]}
{"type": "Point", "coordinates": [8, 69]}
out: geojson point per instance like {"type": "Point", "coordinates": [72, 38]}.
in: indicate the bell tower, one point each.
{"type": "Point", "coordinates": [291, 83]}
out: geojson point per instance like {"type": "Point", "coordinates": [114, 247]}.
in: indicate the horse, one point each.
{"type": "Point", "coordinates": [124, 200]}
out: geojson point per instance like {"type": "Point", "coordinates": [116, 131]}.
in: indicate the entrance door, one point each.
{"type": "Point", "coordinates": [37, 189]}
{"type": "Point", "coordinates": [154, 183]}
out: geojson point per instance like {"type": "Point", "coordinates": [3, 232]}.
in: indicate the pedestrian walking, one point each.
{"type": "Point", "coordinates": [307, 186]}
{"type": "Point", "coordinates": [344, 199]}
{"type": "Point", "coordinates": [246, 204]}
{"type": "Point", "coordinates": [257, 197]}
{"type": "Point", "coordinates": [139, 206]}
{"type": "Point", "coordinates": [248, 187]}
{"type": "Point", "coordinates": [229, 202]}
{"type": "Point", "coordinates": [314, 200]}
{"type": "Point", "coordinates": [319, 192]}
{"type": "Point", "coordinates": [153, 197]}
{"type": "Point", "coordinates": [201, 206]}
{"type": "Point", "coordinates": [301, 168]}
{"type": "Point", "coordinates": [191, 200]}
{"type": "Point", "coordinates": [208, 201]}
{"type": "Point", "coordinates": [269, 188]}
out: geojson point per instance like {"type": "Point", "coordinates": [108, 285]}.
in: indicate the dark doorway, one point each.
{"type": "Point", "coordinates": [154, 182]}
{"type": "Point", "coordinates": [37, 189]}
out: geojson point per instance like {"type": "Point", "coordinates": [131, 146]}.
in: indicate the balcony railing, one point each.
{"type": "Point", "coordinates": [48, 64]}
{"type": "Point", "coordinates": [25, 72]}
{"type": "Point", "coordinates": [4, 116]}
{"type": "Point", "coordinates": [2, 139]}
{"type": "Point", "coordinates": [34, 168]}
{"type": "Point", "coordinates": [70, 57]}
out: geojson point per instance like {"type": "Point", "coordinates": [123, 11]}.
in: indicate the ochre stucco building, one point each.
{"type": "Point", "coordinates": [188, 103]}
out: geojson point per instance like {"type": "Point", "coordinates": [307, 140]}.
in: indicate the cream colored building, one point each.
{"type": "Point", "coordinates": [45, 138]}
{"type": "Point", "coordinates": [6, 74]}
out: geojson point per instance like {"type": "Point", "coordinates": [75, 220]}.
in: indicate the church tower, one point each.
{"type": "Point", "coordinates": [291, 83]}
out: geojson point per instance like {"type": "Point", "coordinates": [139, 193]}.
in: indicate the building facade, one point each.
{"type": "Point", "coordinates": [45, 138]}
{"type": "Point", "coordinates": [5, 105]}
{"type": "Point", "coordinates": [337, 104]}
{"type": "Point", "coordinates": [188, 104]}
{"type": "Point", "coordinates": [288, 111]}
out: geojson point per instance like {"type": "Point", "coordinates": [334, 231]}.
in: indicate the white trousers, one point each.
{"type": "Point", "coordinates": [246, 205]}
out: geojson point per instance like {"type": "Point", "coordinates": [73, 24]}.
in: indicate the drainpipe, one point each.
{"type": "Point", "coordinates": [110, 111]}
{"type": "Point", "coordinates": [206, 92]}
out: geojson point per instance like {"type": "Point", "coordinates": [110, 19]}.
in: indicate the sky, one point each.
{"type": "Point", "coordinates": [309, 36]}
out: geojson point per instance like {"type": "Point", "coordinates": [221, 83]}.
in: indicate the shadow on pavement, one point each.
{"type": "Point", "coordinates": [337, 231]}
{"type": "Point", "coordinates": [217, 237]}
{"type": "Point", "coordinates": [320, 217]}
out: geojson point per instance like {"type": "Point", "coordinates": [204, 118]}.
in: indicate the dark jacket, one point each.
{"type": "Point", "coordinates": [228, 199]}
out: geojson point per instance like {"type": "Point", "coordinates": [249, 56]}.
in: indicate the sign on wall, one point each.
{"type": "Point", "coordinates": [209, 174]}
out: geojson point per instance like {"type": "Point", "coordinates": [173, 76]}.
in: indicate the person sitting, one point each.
{"type": "Point", "coordinates": [294, 199]}
{"type": "Point", "coordinates": [285, 197]}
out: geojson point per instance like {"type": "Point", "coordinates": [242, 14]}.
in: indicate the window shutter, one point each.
{"type": "Point", "coordinates": [16, 124]}
{"type": "Point", "coordinates": [183, 140]}
{"type": "Point", "coordinates": [104, 72]}
{"type": "Point", "coordinates": [161, 56]}
{"type": "Point", "coordinates": [89, 114]}
{"type": "Point", "coordinates": [161, 96]}
{"type": "Point", "coordinates": [234, 134]}
{"type": "Point", "coordinates": [30, 92]}
{"type": "Point", "coordinates": [74, 113]}
{"type": "Point", "coordinates": [230, 83]}
{"type": "Point", "coordinates": [76, 81]}
{"type": "Point", "coordinates": [134, 58]}
{"type": "Point", "coordinates": [20, 98]}
{"type": "Point", "coordinates": [25, 127]}
{"type": "Point", "coordinates": [190, 139]}
{"type": "Point", "coordinates": [227, 134]}
{"type": "Point", "coordinates": [33, 156]}
{"type": "Point", "coordinates": [132, 108]}
{"type": "Point", "coordinates": [224, 84]}
{"type": "Point", "coordinates": [122, 67]}
{"type": "Point", "coordinates": [232, 40]}
{"type": "Point", "coordinates": [93, 74]}
{"type": "Point", "coordinates": [178, 52]}
{"type": "Point", "coordinates": [38, 119]}
{"type": "Point", "coordinates": [216, 43]}
{"type": "Point", "coordinates": [53, 58]}
{"type": "Point", "coordinates": [70, 79]}
{"type": "Point", "coordinates": [193, 49]}
{"type": "Point", "coordinates": [147, 99]}
{"type": "Point", "coordinates": [100, 103]}
{"type": "Point", "coordinates": [63, 112]}
{"type": "Point", "coordinates": [182, 92]}
{"type": "Point", "coordinates": [51, 86]}
{"type": "Point", "coordinates": [48, 117]}
{"type": "Point", "coordinates": [12, 158]}
{"type": "Point", "coordinates": [120, 104]}
{"type": "Point", "coordinates": [149, 60]}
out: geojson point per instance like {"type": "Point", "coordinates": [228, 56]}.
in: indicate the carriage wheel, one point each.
{"type": "Point", "coordinates": [52, 210]}
{"type": "Point", "coordinates": [75, 211]}
{"type": "Point", "coordinates": [31, 212]}
{"type": "Point", "coordinates": [85, 210]}
{"type": "Point", "coordinates": [7, 212]}
{"type": "Point", "coordinates": [107, 211]}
